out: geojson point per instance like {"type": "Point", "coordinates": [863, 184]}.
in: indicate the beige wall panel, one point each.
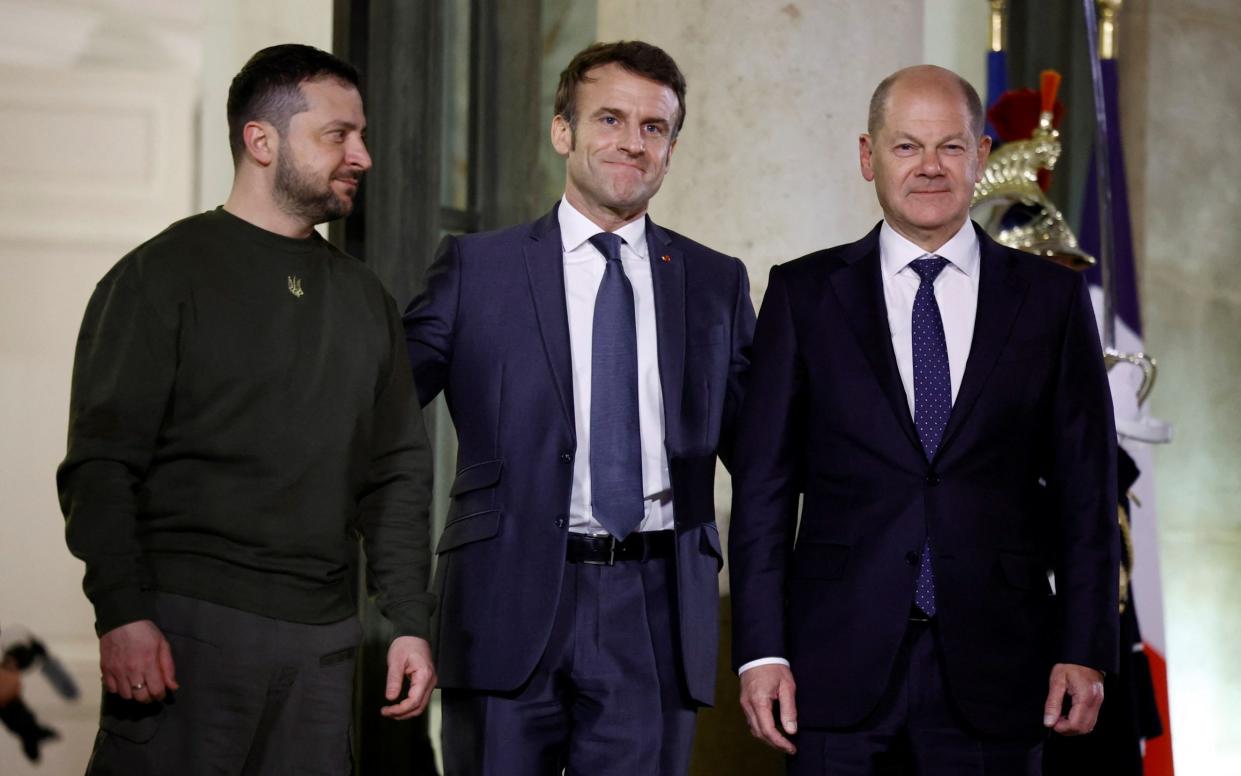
{"type": "Point", "coordinates": [93, 155]}
{"type": "Point", "coordinates": [99, 161]}
{"type": "Point", "coordinates": [766, 168]}
{"type": "Point", "coordinates": [45, 288]}
{"type": "Point", "coordinates": [235, 29]}
{"type": "Point", "coordinates": [1187, 174]}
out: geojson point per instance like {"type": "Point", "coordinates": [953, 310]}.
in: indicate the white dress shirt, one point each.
{"type": "Point", "coordinates": [583, 272]}
{"type": "Point", "coordinates": [956, 293]}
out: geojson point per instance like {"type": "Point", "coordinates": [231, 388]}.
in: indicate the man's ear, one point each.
{"type": "Point", "coordinates": [984, 150]}
{"type": "Point", "coordinates": [562, 135]}
{"type": "Point", "coordinates": [866, 156]}
{"type": "Point", "coordinates": [261, 141]}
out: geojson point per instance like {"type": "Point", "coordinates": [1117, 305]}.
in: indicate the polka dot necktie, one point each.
{"type": "Point", "coordinates": [932, 395]}
{"type": "Point", "coordinates": [615, 434]}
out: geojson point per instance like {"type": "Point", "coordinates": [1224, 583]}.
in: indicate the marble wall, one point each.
{"type": "Point", "coordinates": [766, 165]}
{"type": "Point", "coordinates": [1182, 113]}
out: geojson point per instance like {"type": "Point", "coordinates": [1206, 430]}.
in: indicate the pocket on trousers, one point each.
{"type": "Point", "coordinates": [337, 657]}
{"type": "Point", "coordinates": [135, 722]}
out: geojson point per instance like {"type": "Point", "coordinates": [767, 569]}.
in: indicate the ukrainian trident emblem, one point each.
{"type": "Point", "coordinates": [295, 286]}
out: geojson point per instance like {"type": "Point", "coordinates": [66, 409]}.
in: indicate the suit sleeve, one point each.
{"type": "Point", "coordinates": [429, 321]}
{"type": "Point", "coordinates": [1082, 484]}
{"type": "Point", "coordinates": [739, 363]}
{"type": "Point", "coordinates": [123, 374]}
{"type": "Point", "coordinates": [394, 507]}
{"type": "Point", "coordinates": [766, 481]}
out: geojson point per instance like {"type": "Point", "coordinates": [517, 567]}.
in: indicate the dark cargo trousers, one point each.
{"type": "Point", "coordinates": [257, 696]}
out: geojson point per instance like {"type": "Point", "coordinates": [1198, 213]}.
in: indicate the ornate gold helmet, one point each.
{"type": "Point", "coordinates": [1009, 201]}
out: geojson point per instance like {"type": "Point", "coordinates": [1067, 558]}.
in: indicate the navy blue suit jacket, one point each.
{"type": "Point", "coordinates": [1023, 483]}
{"type": "Point", "coordinates": [491, 331]}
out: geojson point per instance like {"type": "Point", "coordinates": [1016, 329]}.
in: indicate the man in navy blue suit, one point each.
{"type": "Point", "coordinates": [592, 362]}
{"type": "Point", "coordinates": [940, 405]}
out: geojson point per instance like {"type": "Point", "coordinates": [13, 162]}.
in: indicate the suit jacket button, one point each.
{"type": "Point", "coordinates": [566, 458]}
{"type": "Point", "coordinates": [911, 558]}
{"type": "Point", "coordinates": [560, 521]}
{"type": "Point", "coordinates": [932, 479]}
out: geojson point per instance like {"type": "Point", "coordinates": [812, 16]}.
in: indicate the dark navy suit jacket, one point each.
{"type": "Point", "coordinates": [1023, 483]}
{"type": "Point", "coordinates": [491, 331]}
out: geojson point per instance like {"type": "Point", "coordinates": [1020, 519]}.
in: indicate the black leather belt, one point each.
{"type": "Point", "coordinates": [605, 550]}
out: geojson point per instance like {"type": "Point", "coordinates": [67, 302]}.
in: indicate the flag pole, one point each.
{"type": "Point", "coordinates": [997, 64]}
{"type": "Point", "coordinates": [997, 25]}
{"type": "Point", "coordinates": [1107, 237]}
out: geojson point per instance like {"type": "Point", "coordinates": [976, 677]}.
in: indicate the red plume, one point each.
{"type": "Point", "coordinates": [1015, 114]}
{"type": "Point", "coordinates": [1049, 84]}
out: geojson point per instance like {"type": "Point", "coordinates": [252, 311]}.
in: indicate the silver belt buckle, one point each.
{"type": "Point", "coordinates": [611, 561]}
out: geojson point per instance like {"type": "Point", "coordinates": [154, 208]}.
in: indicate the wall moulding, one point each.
{"type": "Point", "coordinates": [98, 155]}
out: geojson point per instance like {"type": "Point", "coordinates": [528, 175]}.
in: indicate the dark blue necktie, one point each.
{"type": "Point", "coordinates": [932, 394]}
{"type": "Point", "coordinates": [615, 436]}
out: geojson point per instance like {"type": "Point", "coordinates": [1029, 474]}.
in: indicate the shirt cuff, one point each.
{"type": "Point", "coordinates": [762, 661]}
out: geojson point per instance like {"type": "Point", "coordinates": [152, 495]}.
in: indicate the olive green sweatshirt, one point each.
{"type": "Point", "coordinates": [242, 408]}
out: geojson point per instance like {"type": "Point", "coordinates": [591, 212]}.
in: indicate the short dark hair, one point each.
{"type": "Point", "coordinates": [879, 102]}
{"type": "Point", "coordinates": [268, 88]}
{"type": "Point", "coordinates": [637, 57]}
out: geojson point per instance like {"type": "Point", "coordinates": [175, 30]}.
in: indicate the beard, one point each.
{"type": "Point", "coordinates": [302, 196]}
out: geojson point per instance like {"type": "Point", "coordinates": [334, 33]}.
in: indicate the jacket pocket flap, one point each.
{"type": "Point", "coordinates": [710, 542]}
{"type": "Point", "coordinates": [1023, 572]}
{"type": "Point", "coordinates": [479, 475]}
{"type": "Point", "coordinates": [470, 528]}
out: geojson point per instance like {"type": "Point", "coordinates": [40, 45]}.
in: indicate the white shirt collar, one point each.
{"type": "Point", "coordinates": [576, 229]}
{"type": "Point", "coordinates": [961, 250]}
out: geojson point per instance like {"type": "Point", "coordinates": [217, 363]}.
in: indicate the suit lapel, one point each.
{"type": "Point", "coordinates": [1000, 294]}
{"type": "Point", "coordinates": [859, 290]}
{"type": "Point", "coordinates": [668, 277]}
{"type": "Point", "coordinates": [545, 270]}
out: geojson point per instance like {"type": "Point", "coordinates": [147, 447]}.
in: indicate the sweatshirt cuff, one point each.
{"type": "Point", "coordinates": [413, 618]}
{"type": "Point", "coordinates": [120, 607]}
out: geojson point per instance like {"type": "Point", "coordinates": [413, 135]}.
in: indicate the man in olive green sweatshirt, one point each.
{"type": "Point", "coordinates": [241, 411]}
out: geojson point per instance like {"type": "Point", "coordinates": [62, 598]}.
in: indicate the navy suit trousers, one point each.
{"type": "Point", "coordinates": [915, 729]}
{"type": "Point", "coordinates": [258, 697]}
{"type": "Point", "coordinates": [606, 698]}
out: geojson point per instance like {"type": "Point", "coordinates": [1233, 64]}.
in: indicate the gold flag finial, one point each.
{"type": "Point", "coordinates": [997, 24]}
{"type": "Point", "coordinates": [1109, 25]}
